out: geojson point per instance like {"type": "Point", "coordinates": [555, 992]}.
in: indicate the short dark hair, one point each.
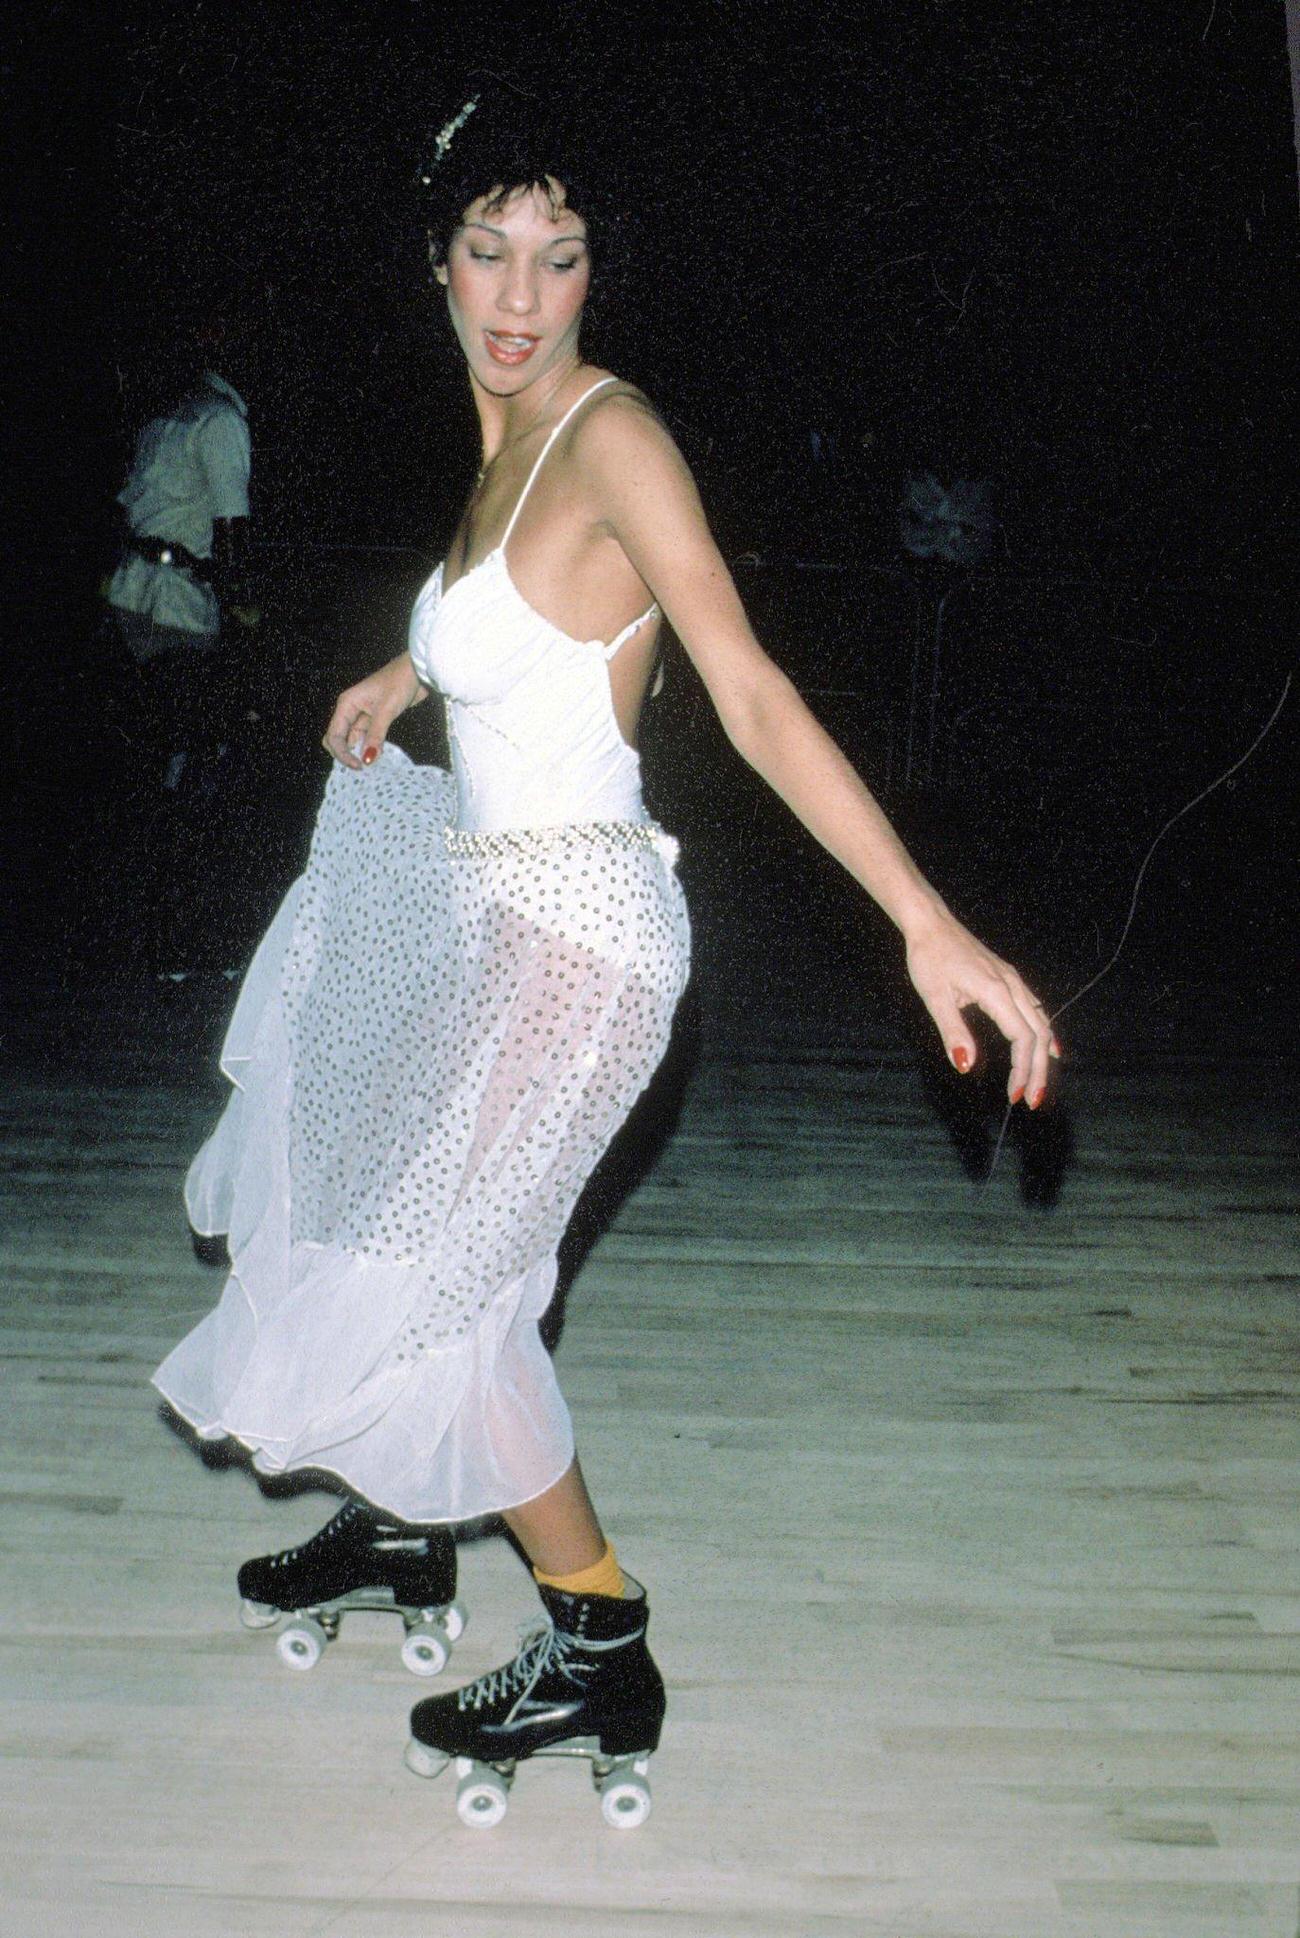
{"type": "Point", "coordinates": [515, 141]}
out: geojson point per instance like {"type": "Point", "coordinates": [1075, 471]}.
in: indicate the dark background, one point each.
{"type": "Point", "coordinates": [1050, 248]}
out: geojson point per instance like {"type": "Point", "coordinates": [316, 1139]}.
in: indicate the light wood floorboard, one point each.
{"type": "Point", "coordinates": [971, 1532]}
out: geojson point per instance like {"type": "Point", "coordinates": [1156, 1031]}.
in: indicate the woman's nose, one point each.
{"type": "Point", "coordinates": [518, 292]}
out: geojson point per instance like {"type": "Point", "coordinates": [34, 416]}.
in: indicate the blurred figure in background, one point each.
{"type": "Point", "coordinates": [178, 600]}
{"type": "Point", "coordinates": [184, 560]}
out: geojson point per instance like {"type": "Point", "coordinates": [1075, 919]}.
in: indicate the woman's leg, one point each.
{"type": "Point", "coordinates": [558, 1530]}
{"type": "Point", "coordinates": [585, 1679]}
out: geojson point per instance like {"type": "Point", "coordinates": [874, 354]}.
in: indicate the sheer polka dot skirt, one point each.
{"type": "Point", "coordinates": [464, 1021]}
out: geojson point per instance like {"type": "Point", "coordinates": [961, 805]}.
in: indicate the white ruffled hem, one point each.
{"type": "Point", "coordinates": [468, 1431]}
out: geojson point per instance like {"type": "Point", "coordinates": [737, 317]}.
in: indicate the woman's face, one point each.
{"type": "Point", "coordinates": [516, 278]}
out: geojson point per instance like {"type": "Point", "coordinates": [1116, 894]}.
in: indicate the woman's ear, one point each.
{"type": "Point", "coordinates": [440, 273]}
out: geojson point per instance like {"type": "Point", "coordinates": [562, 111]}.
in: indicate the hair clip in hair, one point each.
{"type": "Point", "coordinates": [447, 135]}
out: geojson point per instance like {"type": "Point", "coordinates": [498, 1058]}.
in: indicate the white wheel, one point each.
{"type": "Point", "coordinates": [453, 1621]}
{"type": "Point", "coordinates": [302, 1644]}
{"type": "Point", "coordinates": [625, 1801]}
{"type": "Point", "coordinates": [425, 1651]}
{"type": "Point", "coordinates": [423, 1761]}
{"type": "Point", "coordinates": [258, 1614]}
{"type": "Point", "coordinates": [481, 1798]}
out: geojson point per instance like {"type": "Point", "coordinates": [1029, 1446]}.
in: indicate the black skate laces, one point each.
{"type": "Point", "coordinates": [325, 1537]}
{"type": "Point", "coordinates": [353, 1521]}
{"type": "Point", "coordinates": [543, 1647]}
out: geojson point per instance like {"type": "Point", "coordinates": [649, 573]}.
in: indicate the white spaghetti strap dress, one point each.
{"type": "Point", "coordinates": [450, 1016]}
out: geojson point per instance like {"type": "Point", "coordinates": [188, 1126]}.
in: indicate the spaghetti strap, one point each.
{"type": "Point", "coordinates": [542, 455]}
{"type": "Point", "coordinates": [636, 625]}
{"type": "Point", "coordinates": [627, 632]}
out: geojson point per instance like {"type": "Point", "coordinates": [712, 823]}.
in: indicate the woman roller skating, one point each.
{"type": "Point", "coordinates": [473, 980]}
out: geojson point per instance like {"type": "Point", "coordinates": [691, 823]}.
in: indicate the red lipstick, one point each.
{"type": "Point", "coordinates": [510, 347]}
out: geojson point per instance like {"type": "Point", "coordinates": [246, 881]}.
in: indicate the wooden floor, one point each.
{"type": "Point", "coordinates": [970, 1527]}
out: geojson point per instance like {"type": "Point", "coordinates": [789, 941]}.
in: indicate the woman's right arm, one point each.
{"type": "Point", "coordinates": [362, 716]}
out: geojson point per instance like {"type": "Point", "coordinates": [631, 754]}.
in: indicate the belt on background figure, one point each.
{"type": "Point", "coordinates": [168, 551]}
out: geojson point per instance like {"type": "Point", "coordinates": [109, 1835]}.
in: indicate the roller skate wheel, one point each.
{"type": "Point", "coordinates": [258, 1614]}
{"type": "Point", "coordinates": [453, 1621]}
{"type": "Point", "coordinates": [423, 1761]}
{"type": "Point", "coordinates": [625, 1801]}
{"type": "Point", "coordinates": [425, 1651]}
{"type": "Point", "coordinates": [481, 1797]}
{"type": "Point", "coordinates": [301, 1645]}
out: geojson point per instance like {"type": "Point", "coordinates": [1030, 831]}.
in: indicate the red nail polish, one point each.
{"type": "Point", "coordinates": [1038, 1098]}
{"type": "Point", "coordinates": [1017, 1093]}
{"type": "Point", "coordinates": [961, 1057]}
{"type": "Point", "coordinates": [371, 754]}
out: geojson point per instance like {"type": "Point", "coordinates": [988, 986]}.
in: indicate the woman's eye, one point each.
{"type": "Point", "coordinates": [484, 255]}
{"type": "Point", "coordinates": [572, 263]}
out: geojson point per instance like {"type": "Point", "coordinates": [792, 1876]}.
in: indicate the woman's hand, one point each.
{"type": "Point", "coordinates": [362, 716]}
{"type": "Point", "coordinates": [951, 972]}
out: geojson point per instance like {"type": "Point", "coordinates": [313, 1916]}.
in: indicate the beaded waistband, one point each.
{"type": "Point", "coordinates": [566, 837]}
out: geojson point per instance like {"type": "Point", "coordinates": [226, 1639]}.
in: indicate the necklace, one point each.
{"type": "Point", "coordinates": [519, 436]}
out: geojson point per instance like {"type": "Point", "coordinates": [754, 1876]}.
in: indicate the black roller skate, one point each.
{"type": "Point", "coordinates": [359, 1560]}
{"type": "Point", "coordinates": [583, 1684]}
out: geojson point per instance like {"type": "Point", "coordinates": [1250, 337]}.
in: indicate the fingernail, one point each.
{"type": "Point", "coordinates": [1038, 1098]}
{"type": "Point", "coordinates": [1056, 1047]}
{"type": "Point", "coordinates": [1017, 1093]}
{"type": "Point", "coordinates": [961, 1057]}
{"type": "Point", "coordinates": [371, 754]}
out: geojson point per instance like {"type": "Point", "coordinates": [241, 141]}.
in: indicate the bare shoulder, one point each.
{"type": "Point", "coordinates": [620, 438]}
{"type": "Point", "coordinates": [621, 427]}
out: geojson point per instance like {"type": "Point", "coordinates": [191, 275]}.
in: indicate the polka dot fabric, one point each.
{"type": "Point", "coordinates": [432, 1049]}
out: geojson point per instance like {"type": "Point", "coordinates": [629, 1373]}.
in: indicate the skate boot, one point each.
{"type": "Point", "coordinates": [583, 1684]}
{"type": "Point", "coordinates": [360, 1560]}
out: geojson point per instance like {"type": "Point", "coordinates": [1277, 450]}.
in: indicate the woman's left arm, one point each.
{"type": "Point", "coordinates": [638, 479]}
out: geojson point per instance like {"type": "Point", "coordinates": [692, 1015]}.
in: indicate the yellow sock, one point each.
{"type": "Point", "coordinates": [604, 1577]}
